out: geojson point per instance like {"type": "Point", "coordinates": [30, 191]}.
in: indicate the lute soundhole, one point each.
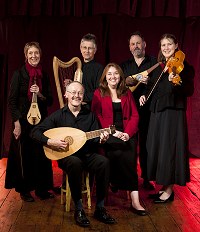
{"type": "Point", "coordinates": [69, 139]}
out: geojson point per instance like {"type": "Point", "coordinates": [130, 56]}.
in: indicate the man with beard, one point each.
{"type": "Point", "coordinates": [140, 62]}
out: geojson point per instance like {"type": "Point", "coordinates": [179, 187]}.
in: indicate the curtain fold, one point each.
{"type": "Point", "coordinates": [80, 8]}
{"type": "Point", "coordinates": [59, 34]}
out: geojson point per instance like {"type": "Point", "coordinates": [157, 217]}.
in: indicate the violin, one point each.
{"type": "Point", "coordinates": [175, 65]}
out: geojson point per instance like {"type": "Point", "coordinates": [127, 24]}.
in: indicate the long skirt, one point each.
{"type": "Point", "coordinates": [27, 166]}
{"type": "Point", "coordinates": [167, 147]}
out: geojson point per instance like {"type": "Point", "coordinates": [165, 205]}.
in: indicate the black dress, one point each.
{"type": "Point", "coordinates": [167, 141]}
{"type": "Point", "coordinates": [27, 167]}
{"type": "Point", "coordinates": [122, 156]}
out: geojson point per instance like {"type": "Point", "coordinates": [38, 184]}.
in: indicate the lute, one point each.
{"type": "Point", "coordinates": [76, 139]}
{"type": "Point", "coordinates": [138, 77]}
{"type": "Point", "coordinates": [34, 115]}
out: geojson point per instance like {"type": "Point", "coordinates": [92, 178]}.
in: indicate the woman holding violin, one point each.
{"type": "Point", "coordinates": [167, 140]}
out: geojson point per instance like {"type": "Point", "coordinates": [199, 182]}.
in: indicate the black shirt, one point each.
{"type": "Point", "coordinates": [117, 116]}
{"type": "Point", "coordinates": [85, 121]}
{"type": "Point", "coordinates": [168, 95]}
{"type": "Point", "coordinates": [130, 67]}
{"type": "Point", "coordinates": [92, 72]}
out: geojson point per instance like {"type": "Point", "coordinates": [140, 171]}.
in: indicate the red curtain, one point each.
{"type": "Point", "coordinates": [81, 8]}
{"type": "Point", "coordinates": [58, 26]}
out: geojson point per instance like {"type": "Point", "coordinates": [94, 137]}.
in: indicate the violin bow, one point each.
{"type": "Point", "coordinates": [155, 84]}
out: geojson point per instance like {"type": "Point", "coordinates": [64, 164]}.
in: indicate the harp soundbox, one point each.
{"type": "Point", "coordinates": [70, 70]}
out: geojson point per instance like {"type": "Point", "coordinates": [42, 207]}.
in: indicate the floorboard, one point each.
{"type": "Point", "coordinates": [183, 214]}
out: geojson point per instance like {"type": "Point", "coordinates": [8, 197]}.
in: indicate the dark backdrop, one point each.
{"type": "Point", "coordinates": [58, 26]}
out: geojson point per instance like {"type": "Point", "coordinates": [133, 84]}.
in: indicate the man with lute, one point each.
{"type": "Point", "coordinates": [76, 115]}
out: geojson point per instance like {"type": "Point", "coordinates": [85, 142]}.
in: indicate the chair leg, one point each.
{"type": "Point", "coordinates": [88, 190]}
{"type": "Point", "coordinates": [128, 195]}
{"type": "Point", "coordinates": [68, 195]}
{"type": "Point", "coordinates": [61, 197]}
{"type": "Point", "coordinates": [86, 183]}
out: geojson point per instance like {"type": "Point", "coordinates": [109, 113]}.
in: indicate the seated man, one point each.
{"type": "Point", "coordinates": [76, 115]}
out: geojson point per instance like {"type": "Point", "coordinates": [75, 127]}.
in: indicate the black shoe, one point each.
{"type": "Point", "coordinates": [81, 218]}
{"type": "Point", "coordinates": [27, 197]}
{"type": "Point", "coordinates": [140, 212]}
{"type": "Point", "coordinates": [57, 189]}
{"type": "Point", "coordinates": [101, 215]}
{"type": "Point", "coordinates": [113, 188]}
{"type": "Point", "coordinates": [43, 195]}
{"type": "Point", "coordinates": [148, 185]}
{"type": "Point", "coordinates": [155, 195]}
{"type": "Point", "coordinates": [170, 198]}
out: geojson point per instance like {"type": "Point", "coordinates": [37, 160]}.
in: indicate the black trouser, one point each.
{"type": "Point", "coordinates": [94, 163]}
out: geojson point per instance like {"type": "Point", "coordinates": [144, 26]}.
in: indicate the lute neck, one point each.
{"type": "Point", "coordinates": [96, 133]}
{"type": "Point", "coordinates": [34, 98]}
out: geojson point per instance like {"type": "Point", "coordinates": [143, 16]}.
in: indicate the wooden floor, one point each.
{"type": "Point", "coordinates": [49, 216]}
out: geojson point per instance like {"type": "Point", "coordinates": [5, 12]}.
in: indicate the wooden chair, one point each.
{"type": "Point", "coordinates": [66, 193]}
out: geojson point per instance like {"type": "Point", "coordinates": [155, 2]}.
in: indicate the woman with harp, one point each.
{"type": "Point", "coordinates": [167, 140]}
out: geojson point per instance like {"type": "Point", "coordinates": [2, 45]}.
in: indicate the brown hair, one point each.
{"type": "Point", "coordinates": [136, 33]}
{"type": "Point", "coordinates": [31, 44]}
{"type": "Point", "coordinates": [161, 58]}
{"type": "Point", "coordinates": [103, 86]}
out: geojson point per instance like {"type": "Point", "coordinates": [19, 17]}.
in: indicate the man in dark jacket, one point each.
{"type": "Point", "coordinates": [138, 63]}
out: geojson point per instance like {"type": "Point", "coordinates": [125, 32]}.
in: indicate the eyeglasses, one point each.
{"type": "Point", "coordinates": [74, 93]}
{"type": "Point", "coordinates": [87, 48]}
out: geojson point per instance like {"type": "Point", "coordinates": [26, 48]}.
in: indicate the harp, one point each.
{"type": "Point", "coordinates": [70, 70]}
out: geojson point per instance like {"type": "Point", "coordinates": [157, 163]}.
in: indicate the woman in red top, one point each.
{"type": "Point", "coordinates": [113, 103]}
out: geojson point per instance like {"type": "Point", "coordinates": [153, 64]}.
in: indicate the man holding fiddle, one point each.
{"type": "Point", "coordinates": [138, 63]}
{"type": "Point", "coordinates": [76, 115]}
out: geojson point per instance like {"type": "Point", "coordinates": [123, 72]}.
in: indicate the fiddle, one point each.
{"type": "Point", "coordinates": [175, 65]}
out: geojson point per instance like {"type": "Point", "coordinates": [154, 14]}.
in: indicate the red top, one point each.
{"type": "Point", "coordinates": [102, 107]}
